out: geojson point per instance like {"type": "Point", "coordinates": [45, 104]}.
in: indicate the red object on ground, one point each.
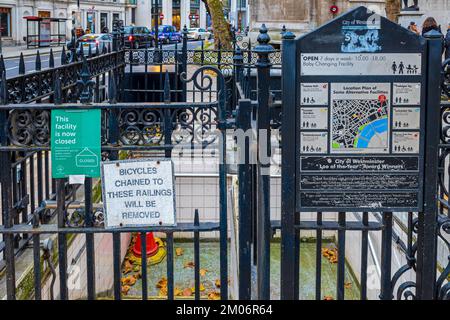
{"type": "Point", "coordinates": [151, 249]}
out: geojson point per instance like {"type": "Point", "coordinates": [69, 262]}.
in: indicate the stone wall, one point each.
{"type": "Point", "coordinates": [302, 16]}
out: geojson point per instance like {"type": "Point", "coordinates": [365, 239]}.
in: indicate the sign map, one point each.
{"type": "Point", "coordinates": [359, 104]}
{"type": "Point", "coordinates": [360, 117]}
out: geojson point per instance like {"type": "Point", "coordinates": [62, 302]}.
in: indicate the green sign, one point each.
{"type": "Point", "coordinates": [76, 143]}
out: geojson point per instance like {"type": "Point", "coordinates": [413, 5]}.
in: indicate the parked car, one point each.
{"type": "Point", "coordinates": [92, 40]}
{"type": "Point", "coordinates": [198, 34]}
{"type": "Point", "coordinates": [137, 37]}
{"type": "Point", "coordinates": [167, 34]}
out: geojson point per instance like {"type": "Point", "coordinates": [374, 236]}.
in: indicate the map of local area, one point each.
{"type": "Point", "coordinates": [360, 117]}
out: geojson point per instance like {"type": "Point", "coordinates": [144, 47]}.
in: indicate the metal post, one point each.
{"type": "Point", "coordinates": [263, 49]}
{"type": "Point", "coordinates": [289, 243]}
{"type": "Point", "coordinates": [386, 257]}
{"type": "Point", "coordinates": [427, 239]}
{"type": "Point", "coordinates": [5, 179]}
{"type": "Point", "coordinates": [243, 120]}
{"type": "Point", "coordinates": [184, 62]}
{"type": "Point", "coordinates": [157, 23]}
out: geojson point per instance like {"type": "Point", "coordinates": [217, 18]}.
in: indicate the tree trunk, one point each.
{"type": "Point", "coordinates": [393, 9]}
{"type": "Point", "coordinates": [222, 29]}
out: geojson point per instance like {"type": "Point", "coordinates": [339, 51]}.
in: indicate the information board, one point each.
{"type": "Point", "coordinates": [360, 116]}
{"type": "Point", "coordinates": [138, 193]}
{"type": "Point", "coordinates": [75, 143]}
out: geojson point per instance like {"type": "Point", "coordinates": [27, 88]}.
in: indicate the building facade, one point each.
{"type": "Point", "coordinates": [92, 14]}
{"type": "Point", "coordinates": [177, 13]}
{"type": "Point", "coordinates": [438, 9]}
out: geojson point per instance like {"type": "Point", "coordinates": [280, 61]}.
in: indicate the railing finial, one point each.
{"type": "Point", "coordinates": [85, 84]}
{"type": "Point", "coordinates": [38, 66]}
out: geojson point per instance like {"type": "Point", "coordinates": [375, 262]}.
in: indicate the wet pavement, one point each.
{"type": "Point", "coordinates": [209, 265]}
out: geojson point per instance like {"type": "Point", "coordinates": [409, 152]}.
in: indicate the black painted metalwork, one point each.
{"type": "Point", "coordinates": [192, 92]}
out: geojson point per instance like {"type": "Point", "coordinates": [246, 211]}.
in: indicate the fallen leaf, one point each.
{"type": "Point", "coordinates": [214, 295]}
{"type": "Point", "coordinates": [217, 283]}
{"type": "Point", "coordinates": [137, 268]}
{"type": "Point", "coordinates": [348, 285]}
{"type": "Point", "coordinates": [187, 292]}
{"type": "Point", "coordinates": [163, 291]}
{"type": "Point", "coordinates": [328, 298]}
{"type": "Point", "coordinates": [138, 275]}
{"type": "Point", "coordinates": [125, 289]}
{"type": "Point", "coordinates": [201, 288]}
{"type": "Point", "coordinates": [162, 283]}
{"type": "Point", "coordinates": [179, 251]}
{"type": "Point", "coordinates": [189, 264]}
{"type": "Point", "coordinates": [130, 280]}
{"type": "Point", "coordinates": [178, 292]}
{"type": "Point", "coordinates": [203, 272]}
{"type": "Point", "coordinates": [128, 267]}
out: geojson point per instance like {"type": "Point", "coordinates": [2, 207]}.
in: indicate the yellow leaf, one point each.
{"type": "Point", "coordinates": [178, 292]}
{"type": "Point", "coordinates": [163, 291]}
{"type": "Point", "coordinates": [189, 264]}
{"type": "Point", "coordinates": [125, 289]}
{"type": "Point", "coordinates": [203, 272]}
{"type": "Point", "coordinates": [348, 285]}
{"type": "Point", "coordinates": [179, 251]}
{"type": "Point", "coordinates": [214, 295]}
{"type": "Point", "coordinates": [201, 288]}
{"type": "Point", "coordinates": [130, 281]}
{"type": "Point", "coordinates": [128, 267]}
{"type": "Point", "coordinates": [162, 283]}
{"type": "Point", "coordinates": [217, 283]}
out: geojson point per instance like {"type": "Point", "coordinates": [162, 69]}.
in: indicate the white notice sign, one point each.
{"type": "Point", "coordinates": [406, 118]}
{"type": "Point", "coordinates": [406, 94]}
{"type": "Point", "coordinates": [314, 142]}
{"type": "Point", "coordinates": [314, 118]}
{"type": "Point", "coordinates": [406, 142]}
{"type": "Point", "coordinates": [138, 193]}
{"type": "Point", "coordinates": [314, 94]}
{"type": "Point", "coordinates": [367, 64]}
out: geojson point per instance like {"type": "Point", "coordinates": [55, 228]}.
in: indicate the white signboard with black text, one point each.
{"type": "Point", "coordinates": [368, 64]}
{"type": "Point", "coordinates": [138, 193]}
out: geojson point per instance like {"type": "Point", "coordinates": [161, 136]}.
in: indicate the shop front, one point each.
{"type": "Point", "coordinates": [5, 22]}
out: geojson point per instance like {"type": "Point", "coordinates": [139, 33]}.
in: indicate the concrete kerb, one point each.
{"type": "Point", "coordinates": [28, 52]}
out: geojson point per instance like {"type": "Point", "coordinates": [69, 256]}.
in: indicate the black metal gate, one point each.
{"type": "Point", "coordinates": [125, 127]}
{"type": "Point", "coordinates": [250, 94]}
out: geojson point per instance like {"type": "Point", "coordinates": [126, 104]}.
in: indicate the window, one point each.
{"type": "Point", "coordinates": [133, 15]}
{"type": "Point", "coordinates": [116, 16]}
{"type": "Point", "coordinates": [103, 21]}
{"type": "Point", "coordinates": [90, 22]}
{"type": "Point", "coordinates": [5, 22]}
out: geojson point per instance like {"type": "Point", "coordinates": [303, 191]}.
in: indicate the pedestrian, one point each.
{"type": "Point", "coordinates": [430, 24]}
{"type": "Point", "coordinates": [413, 27]}
{"type": "Point", "coordinates": [447, 43]}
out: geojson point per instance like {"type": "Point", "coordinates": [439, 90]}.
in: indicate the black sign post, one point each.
{"type": "Point", "coordinates": [355, 106]}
